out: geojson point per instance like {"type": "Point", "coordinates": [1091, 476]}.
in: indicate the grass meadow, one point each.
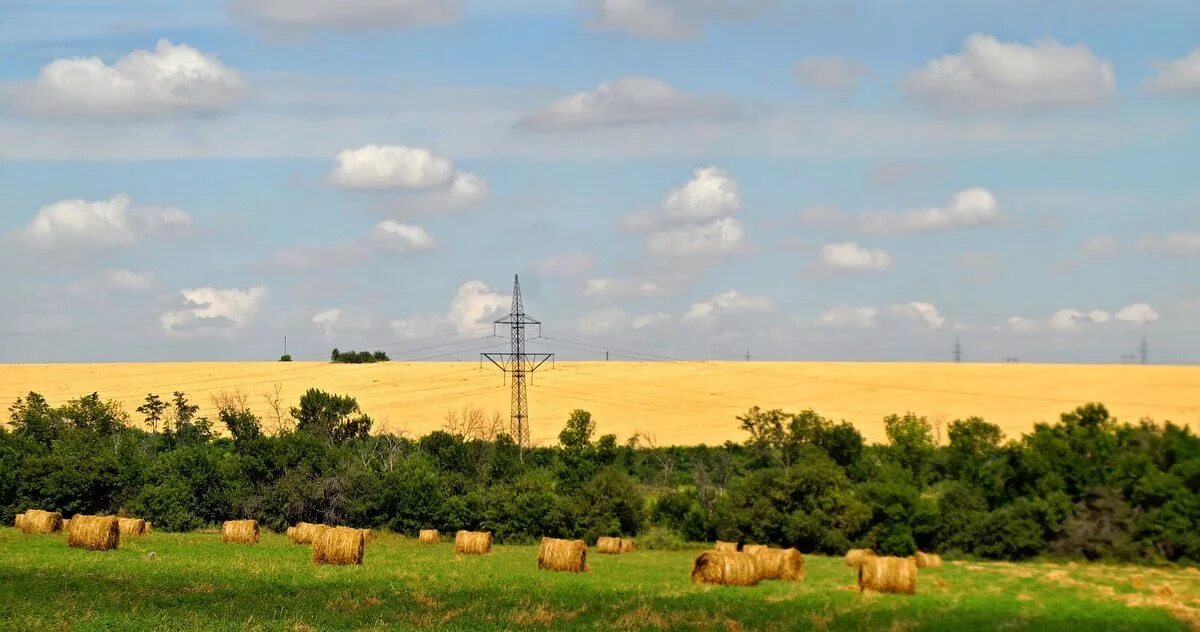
{"type": "Point", "coordinates": [193, 581]}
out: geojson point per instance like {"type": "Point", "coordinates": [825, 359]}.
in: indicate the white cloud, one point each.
{"type": "Point", "coordinates": [171, 79]}
{"type": "Point", "coordinates": [970, 207]}
{"type": "Point", "coordinates": [607, 288]}
{"type": "Point", "coordinates": [669, 19]}
{"type": "Point", "coordinates": [731, 302]}
{"type": "Point", "coordinates": [925, 312]}
{"type": "Point", "coordinates": [1176, 76]}
{"type": "Point", "coordinates": [695, 219]}
{"type": "Point", "coordinates": [293, 15]}
{"type": "Point", "coordinates": [997, 76]}
{"type": "Point", "coordinates": [1138, 313]}
{"type": "Point", "coordinates": [720, 237]}
{"type": "Point", "coordinates": [392, 236]}
{"type": "Point", "coordinates": [1179, 243]}
{"type": "Point", "coordinates": [81, 224]}
{"type": "Point", "coordinates": [710, 194]}
{"type": "Point", "coordinates": [573, 264]}
{"type": "Point", "coordinates": [848, 316]}
{"type": "Point", "coordinates": [475, 304]}
{"type": "Point", "coordinates": [214, 309]}
{"type": "Point", "coordinates": [838, 74]}
{"type": "Point", "coordinates": [433, 180]}
{"type": "Point", "coordinates": [850, 256]}
{"type": "Point", "coordinates": [327, 319]}
{"type": "Point", "coordinates": [124, 280]}
{"type": "Point", "coordinates": [650, 320]}
{"type": "Point", "coordinates": [630, 101]}
{"type": "Point", "coordinates": [1072, 319]}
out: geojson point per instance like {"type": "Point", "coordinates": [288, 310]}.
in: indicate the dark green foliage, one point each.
{"type": "Point", "coordinates": [1086, 486]}
{"type": "Point", "coordinates": [352, 357]}
{"type": "Point", "coordinates": [287, 357]}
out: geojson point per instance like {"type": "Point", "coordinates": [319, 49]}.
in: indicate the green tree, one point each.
{"type": "Point", "coordinates": [335, 418]}
{"type": "Point", "coordinates": [152, 411]}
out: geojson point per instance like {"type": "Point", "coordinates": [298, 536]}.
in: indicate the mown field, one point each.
{"type": "Point", "coordinates": [194, 582]}
{"type": "Point", "coordinates": [683, 403]}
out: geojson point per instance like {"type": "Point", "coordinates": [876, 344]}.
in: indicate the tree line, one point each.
{"type": "Point", "coordinates": [1085, 486]}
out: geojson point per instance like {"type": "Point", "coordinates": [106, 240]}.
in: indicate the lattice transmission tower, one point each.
{"type": "Point", "coordinates": [517, 363]}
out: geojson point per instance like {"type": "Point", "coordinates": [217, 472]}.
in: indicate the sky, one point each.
{"type": "Point", "coordinates": [671, 179]}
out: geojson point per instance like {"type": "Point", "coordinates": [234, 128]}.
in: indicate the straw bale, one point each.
{"type": "Point", "coordinates": [429, 536]}
{"type": "Point", "coordinates": [240, 531]}
{"type": "Point", "coordinates": [338, 545]}
{"type": "Point", "coordinates": [473, 542]}
{"type": "Point", "coordinates": [562, 555]}
{"type": "Point", "coordinates": [888, 575]}
{"type": "Point", "coordinates": [95, 533]}
{"type": "Point", "coordinates": [725, 567]}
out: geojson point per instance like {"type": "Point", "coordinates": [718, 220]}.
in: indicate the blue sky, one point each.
{"type": "Point", "coordinates": [803, 180]}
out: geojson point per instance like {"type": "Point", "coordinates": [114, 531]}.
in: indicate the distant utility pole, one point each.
{"type": "Point", "coordinates": [1143, 350]}
{"type": "Point", "coordinates": [606, 356]}
{"type": "Point", "coordinates": [518, 363]}
{"type": "Point", "coordinates": [747, 355]}
{"type": "Point", "coordinates": [957, 350]}
{"type": "Point", "coordinates": [285, 345]}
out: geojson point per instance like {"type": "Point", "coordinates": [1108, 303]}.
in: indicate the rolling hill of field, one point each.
{"type": "Point", "coordinates": [675, 402]}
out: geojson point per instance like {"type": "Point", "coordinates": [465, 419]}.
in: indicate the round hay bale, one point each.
{"type": "Point", "coordinates": [368, 535]}
{"type": "Point", "coordinates": [785, 564]}
{"type": "Point", "coordinates": [888, 575]}
{"type": "Point", "coordinates": [338, 545]}
{"type": "Point", "coordinates": [729, 568]}
{"type": "Point", "coordinates": [305, 532]}
{"type": "Point", "coordinates": [66, 525]}
{"type": "Point", "coordinates": [131, 527]}
{"type": "Point", "coordinates": [608, 546]}
{"type": "Point", "coordinates": [855, 557]}
{"type": "Point", "coordinates": [730, 547]}
{"type": "Point", "coordinates": [754, 549]}
{"type": "Point", "coordinates": [19, 521]}
{"type": "Point", "coordinates": [473, 542]}
{"type": "Point", "coordinates": [562, 555]}
{"type": "Point", "coordinates": [429, 536]}
{"type": "Point", "coordinates": [240, 531]}
{"type": "Point", "coordinates": [627, 545]}
{"type": "Point", "coordinates": [38, 521]}
{"type": "Point", "coordinates": [927, 560]}
{"type": "Point", "coordinates": [94, 533]}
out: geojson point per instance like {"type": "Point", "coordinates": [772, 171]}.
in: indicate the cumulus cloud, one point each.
{"type": "Point", "coordinates": [169, 80]}
{"type": "Point", "coordinates": [1137, 313]}
{"type": "Point", "coordinates": [474, 306]}
{"type": "Point", "coordinates": [392, 236]}
{"type": "Point", "coordinates": [695, 219]}
{"type": "Point", "coordinates": [326, 320]}
{"type": "Point", "coordinates": [927, 313]}
{"type": "Point", "coordinates": [731, 302]}
{"type": "Point", "coordinates": [435, 182]}
{"type": "Point", "coordinates": [838, 74]}
{"type": "Point", "coordinates": [668, 19]}
{"type": "Point", "coordinates": [608, 288]}
{"type": "Point", "coordinates": [1176, 76]}
{"type": "Point", "coordinates": [1179, 243]}
{"type": "Point", "coordinates": [125, 280]}
{"type": "Point", "coordinates": [1072, 319]}
{"type": "Point", "coordinates": [848, 316]}
{"type": "Point", "coordinates": [989, 75]}
{"type": "Point", "coordinates": [850, 256]}
{"type": "Point", "coordinates": [78, 224]}
{"type": "Point", "coordinates": [573, 264]}
{"type": "Point", "coordinates": [213, 309]}
{"type": "Point", "coordinates": [971, 207]}
{"type": "Point", "coordinates": [630, 101]}
{"type": "Point", "coordinates": [303, 15]}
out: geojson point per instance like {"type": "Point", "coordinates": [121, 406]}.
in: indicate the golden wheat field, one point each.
{"type": "Point", "coordinates": [674, 402]}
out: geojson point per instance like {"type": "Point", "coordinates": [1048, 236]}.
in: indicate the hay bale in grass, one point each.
{"type": "Point", "coordinates": [627, 545]}
{"type": "Point", "coordinates": [725, 567]}
{"type": "Point", "coordinates": [240, 531]}
{"type": "Point", "coordinates": [38, 521]}
{"type": "Point", "coordinates": [888, 575]}
{"type": "Point", "coordinates": [368, 535]}
{"type": "Point", "coordinates": [855, 557]}
{"type": "Point", "coordinates": [562, 555]}
{"type": "Point", "coordinates": [927, 560]}
{"type": "Point", "coordinates": [131, 527]}
{"type": "Point", "coordinates": [66, 525]}
{"type": "Point", "coordinates": [754, 549]}
{"type": "Point", "coordinates": [473, 542]}
{"type": "Point", "coordinates": [429, 536]}
{"type": "Point", "coordinates": [338, 545]}
{"type": "Point", "coordinates": [19, 521]}
{"type": "Point", "coordinates": [785, 564]}
{"type": "Point", "coordinates": [730, 547]}
{"type": "Point", "coordinates": [608, 546]}
{"type": "Point", "coordinates": [305, 532]}
{"type": "Point", "coordinates": [94, 533]}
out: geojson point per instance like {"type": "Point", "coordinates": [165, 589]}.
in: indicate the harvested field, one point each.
{"type": "Point", "coordinates": [198, 583]}
{"type": "Point", "coordinates": [682, 402]}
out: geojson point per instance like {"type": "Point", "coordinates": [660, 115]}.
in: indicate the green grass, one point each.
{"type": "Point", "coordinates": [194, 582]}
